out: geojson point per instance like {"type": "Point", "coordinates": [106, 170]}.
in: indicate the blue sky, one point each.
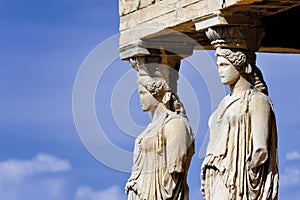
{"type": "Point", "coordinates": [43, 45]}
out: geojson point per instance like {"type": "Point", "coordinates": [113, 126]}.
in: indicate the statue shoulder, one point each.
{"type": "Point", "coordinates": [176, 123]}
{"type": "Point", "coordinates": [174, 118]}
{"type": "Point", "coordinates": [259, 100]}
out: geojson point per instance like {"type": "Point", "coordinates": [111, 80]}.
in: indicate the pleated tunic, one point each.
{"type": "Point", "coordinates": [162, 156]}
{"type": "Point", "coordinates": [241, 161]}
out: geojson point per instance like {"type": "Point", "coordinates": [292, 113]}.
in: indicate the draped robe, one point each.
{"type": "Point", "coordinates": [162, 157]}
{"type": "Point", "coordinates": [241, 161]}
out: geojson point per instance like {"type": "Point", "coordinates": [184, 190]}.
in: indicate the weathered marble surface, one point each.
{"type": "Point", "coordinates": [241, 160]}
{"type": "Point", "coordinates": [163, 151]}
{"type": "Point", "coordinates": [144, 19]}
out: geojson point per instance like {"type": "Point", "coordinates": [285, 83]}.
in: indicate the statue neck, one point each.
{"type": "Point", "coordinates": [240, 86]}
{"type": "Point", "coordinates": [158, 111]}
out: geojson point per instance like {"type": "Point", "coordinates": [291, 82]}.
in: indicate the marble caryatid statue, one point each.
{"type": "Point", "coordinates": [241, 158]}
{"type": "Point", "coordinates": [163, 151]}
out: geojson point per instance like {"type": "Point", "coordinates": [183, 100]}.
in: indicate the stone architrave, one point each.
{"type": "Point", "coordinates": [129, 6]}
{"type": "Point", "coordinates": [163, 151]}
{"type": "Point", "coordinates": [241, 159]}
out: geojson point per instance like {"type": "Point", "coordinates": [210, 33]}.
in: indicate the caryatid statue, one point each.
{"type": "Point", "coordinates": [241, 160]}
{"type": "Point", "coordinates": [163, 151]}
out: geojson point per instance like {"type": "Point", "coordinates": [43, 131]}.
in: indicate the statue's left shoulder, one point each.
{"type": "Point", "coordinates": [179, 124]}
{"type": "Point", "coordinates": [260, 102]}
{"type": "Point", "coordinates": [176, 119]}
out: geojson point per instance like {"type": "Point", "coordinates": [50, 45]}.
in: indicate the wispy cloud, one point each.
{"type": "Point", "coordinates": [86, 193]}
{"type": "Point", "coordinates": [290, 177]}
{"type": "Point", "coordinates": [18, 169]}
{"type": "Point", "coordinates": [27, 179]}
{"type": "Point", "coordinates": [295, 155]}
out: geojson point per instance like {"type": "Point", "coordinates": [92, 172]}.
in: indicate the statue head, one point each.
{"type": "Point", "coordinates": [152, 91]}
{"type": "Point", "coordinates": [244, 62]}
{"type": "Point", "coordinates": [160, 92]}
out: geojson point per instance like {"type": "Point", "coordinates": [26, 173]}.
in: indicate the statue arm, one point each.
{"type": "Point", "coordinates": [260, 112]}
{"type": "Point", "coordinates": [178, 142]}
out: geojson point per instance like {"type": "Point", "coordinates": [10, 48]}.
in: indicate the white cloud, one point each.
{"type": "Point", "coordinates": [290, 177]}
{"type": "Point", "coordinates": [18, 169]}
{"type": "Point", "coordinates": [27, 179]}
{"type": "Point", "coordinates": [42, 178]}
{"type": "Point", "coordinates": [295, 155]}
{"type": "Point", "coordinates": [113, 193]}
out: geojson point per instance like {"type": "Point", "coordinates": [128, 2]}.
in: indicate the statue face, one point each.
{"type": "Point", "coordinates": [227, 72]}
{"type": "Point", "coordinates": [148, 102]}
